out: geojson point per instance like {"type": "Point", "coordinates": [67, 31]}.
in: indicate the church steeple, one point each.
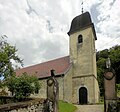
{"type": "Point", "coordinates": [83, 57]}
{"type": "Point", "coordinates": [81, 22]}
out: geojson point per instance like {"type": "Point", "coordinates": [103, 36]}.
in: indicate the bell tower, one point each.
{"type": "Point", "coordinates": [83, 57]}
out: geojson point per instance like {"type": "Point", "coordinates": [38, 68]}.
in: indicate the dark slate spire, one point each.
{"type": "Point", "coordinates": [81, 22]}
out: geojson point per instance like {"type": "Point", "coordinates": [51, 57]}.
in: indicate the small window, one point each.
{"type": "Point", "coordinates": [80, 39]}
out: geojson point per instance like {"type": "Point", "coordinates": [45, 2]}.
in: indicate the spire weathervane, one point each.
{"type": "Point", "coordinates": [82, 6]}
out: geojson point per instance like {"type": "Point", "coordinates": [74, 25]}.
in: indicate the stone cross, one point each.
{"type": "Point", "coordinates": [52, 92]}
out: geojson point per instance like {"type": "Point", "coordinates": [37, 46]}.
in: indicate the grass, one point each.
{"type": "Point", "coordinates": [66, 107]}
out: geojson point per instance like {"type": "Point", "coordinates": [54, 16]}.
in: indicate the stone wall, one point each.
{"type": "Point", "coordinates": [36, 105]}
{"type": "Point", "coordinates": [67, 88]}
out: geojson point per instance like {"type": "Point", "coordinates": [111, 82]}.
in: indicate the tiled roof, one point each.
{"type": "Point", "coordinates": [42, 70]}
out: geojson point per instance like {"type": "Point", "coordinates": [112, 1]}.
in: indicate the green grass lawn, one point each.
{"type": "Point", "coordinates": [66, 107]}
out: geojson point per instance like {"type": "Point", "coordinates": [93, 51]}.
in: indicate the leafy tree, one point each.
{"type": "Point", "coordinates": [102, 54]}
{"type": "Point", "coordinates": [22, 86]}
{"type": "Point", "coordinates": [115, 60]}
{"type": "Point", "coordinates": [118, 87]}
{"type": "Point", "coordinates": [7, 57]}
{"type": "Point", "coordinates": [101, 66]}
{"type": "Point", "coordinates": [114, 55]}
{"type": "Point", "coordinates": [100, 73]}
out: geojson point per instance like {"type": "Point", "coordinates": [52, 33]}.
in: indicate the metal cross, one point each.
{"type": "Point", "coordinates": [82, 6]}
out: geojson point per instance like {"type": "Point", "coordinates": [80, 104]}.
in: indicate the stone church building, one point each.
{"type": "Point", "coordinates": [75, 73]}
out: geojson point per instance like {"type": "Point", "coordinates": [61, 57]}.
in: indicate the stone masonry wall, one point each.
{"type": "Point", "coordinates": [36, 105]}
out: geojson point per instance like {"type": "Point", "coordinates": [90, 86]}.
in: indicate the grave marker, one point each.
{"type": "Point", "coordinates": [110, 94]}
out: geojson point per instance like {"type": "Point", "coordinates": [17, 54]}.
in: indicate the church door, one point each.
{"type": "Point", "coordinates": [83, 95]}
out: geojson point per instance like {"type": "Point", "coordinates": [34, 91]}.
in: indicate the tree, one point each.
{"type": "Point", "coordinates": [115, 61]}
{"type": "Point", "coordinates": [7, 57]}
{"type": "Point", "coordinates": [22, 86]}
{"type": "Point", "coordinates": [114, 55]}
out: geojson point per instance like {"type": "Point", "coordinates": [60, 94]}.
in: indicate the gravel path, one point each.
{"type": "Point", "coordinates": [90, 108]}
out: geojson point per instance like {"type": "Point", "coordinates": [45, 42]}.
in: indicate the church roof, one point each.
{"type": "Point", "coordinates": [42, 70]}
{"type": "Point", "coordinates": [80, 22]}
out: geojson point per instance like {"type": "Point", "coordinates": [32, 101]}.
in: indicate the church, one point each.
{"type": "Point", "coordinates": [76, 73]}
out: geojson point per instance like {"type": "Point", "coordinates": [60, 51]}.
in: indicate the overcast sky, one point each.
{"type": "Point", "coordinates": [38, 28]}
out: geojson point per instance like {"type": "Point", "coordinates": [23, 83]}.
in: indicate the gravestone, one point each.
{"type": "Point", "coordinates": [110, 94]}
{"type": "Point", "coordinates": [52, 93]}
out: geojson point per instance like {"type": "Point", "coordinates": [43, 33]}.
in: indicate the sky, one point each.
{"type": "Point", "coordinates": [38, 28]}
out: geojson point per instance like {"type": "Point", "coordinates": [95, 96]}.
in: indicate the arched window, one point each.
{"type": "Point", "coordinates": [80, 39]}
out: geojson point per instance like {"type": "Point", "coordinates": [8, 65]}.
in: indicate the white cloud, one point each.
{"type": "Point", "coordinates": [104, 41]}
{"type": "Point", "coordinates": [108, 23]}
{"type": "Point", "coordinates": [39, 28]}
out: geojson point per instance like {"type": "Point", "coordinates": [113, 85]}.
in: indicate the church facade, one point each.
{"type": "Point", "coordinates": [76, 73]}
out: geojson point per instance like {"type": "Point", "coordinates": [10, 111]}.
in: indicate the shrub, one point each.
{"type": "Point", "coordinates": [22, 86]}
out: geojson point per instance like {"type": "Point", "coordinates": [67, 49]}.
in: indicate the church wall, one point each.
{"type": "Point", "coordinates": [61, 86]}
{"type": "Point", "coordinates": [89, 82]}
{"type": "Point", "coordinates": [81, 53]}
{"type": "Point", "coordinates": [43, 90]}
{"type": "Point", "coordinates": [94, 57]}
{"type": "Point", "coordinates": [97, 91]}
{"type": "Point", "coordinates": [67, 95]}
{"type": "Point", "coordinates": [86, 82]}
{"type": "Point", "coordinates": [83, 56]}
